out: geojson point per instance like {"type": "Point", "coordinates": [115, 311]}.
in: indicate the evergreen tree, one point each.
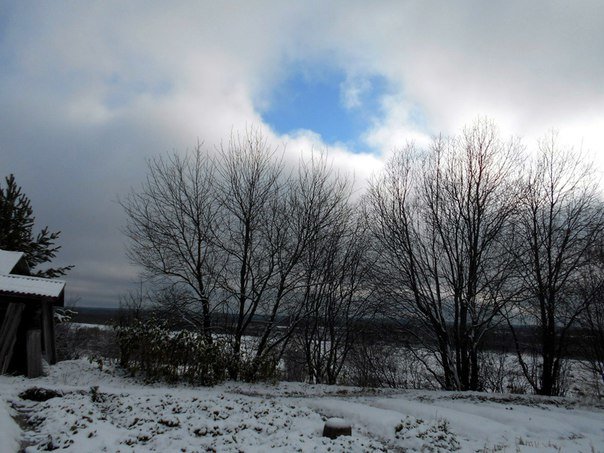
{"type": "Point", "coordinates": [16, 225]}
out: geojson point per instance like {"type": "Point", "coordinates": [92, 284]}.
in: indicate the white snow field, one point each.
{"type": "Point", "coordinates": [9, 431]}
{"type": "Point", "coordinates": [101, 410]}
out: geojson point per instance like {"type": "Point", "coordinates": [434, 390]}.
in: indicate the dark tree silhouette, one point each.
{"type": "Point", "coordinates": [438, 217]}
{"type": "Point", "coordinates": [559, 224]}
{"type": "Point", "coordinates": [16, 231]}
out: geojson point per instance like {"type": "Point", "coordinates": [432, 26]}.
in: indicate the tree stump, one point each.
{"type": "Point", "coordinates": [335, 427]}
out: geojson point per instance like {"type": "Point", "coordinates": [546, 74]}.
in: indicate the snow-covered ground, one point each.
{"type": "Point", "coordinates": [101, 410]}
{"type": "Point", "coordinates": [9, 431]}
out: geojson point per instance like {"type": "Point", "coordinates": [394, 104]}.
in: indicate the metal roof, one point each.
{"type": "Point", "coordinates": [8, 261]}
{"type": "Point", "coordinates": [21, 285]}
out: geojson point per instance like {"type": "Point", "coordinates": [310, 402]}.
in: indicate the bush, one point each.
{"type": "Point", "coordinates": [264, 368]}
{"type": "Point", "coordinates": [75, 341]}
{"type": "Point", "coordinates": [381, 364]}
{"type": "Point", "coordinates": [149, 349]}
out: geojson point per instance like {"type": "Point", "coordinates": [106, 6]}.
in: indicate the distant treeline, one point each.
{"type": "Point", "coordinates": [371, 331]}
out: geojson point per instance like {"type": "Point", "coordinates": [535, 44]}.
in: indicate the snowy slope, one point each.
{"type": "Point", "coordinates": [9, 431]}
{"type": "Point", "coordinates": [122, 415]}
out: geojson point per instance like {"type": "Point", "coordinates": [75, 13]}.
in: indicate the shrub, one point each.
{"type": "Point", "coordinates": [150, 350]}
{"type": "Point", "coordinates": [263, 368]}
{"type": "Point", "coordinates": [381, 364]}
{"type": "Point", "coordinates": [76, 341]}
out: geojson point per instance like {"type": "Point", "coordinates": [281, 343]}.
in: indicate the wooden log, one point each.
{"type": "Point", "coordinates": [34, 353]}
{"type": "Point", "coordinates": [48, 328]}
{"type": "Point", "coordinates": [8, 334]}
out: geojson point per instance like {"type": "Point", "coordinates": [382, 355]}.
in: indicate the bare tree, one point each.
{"type": "Point", "coordinates": [591, 321]}
{"type": "Point", "coordinates": [132, 306]}
{"type": "Point", "coordinates": [270, 220]}
{"type": "Point", "coordinates": [337, 303]}
{"type": "Point", "coordinates": [230, 235]}
{"type": "Point", "coordinates": [309, 202]}
{"type": "Point", "coordinates": [250, 189]}
{"type": "Point", "coordinates": [438, 217]}
{"type": "Point", "coordinates": [172, 220]}
{"type": "Point", "coordinates": [334, 270]}
{"type": "Point", "coordinates": [560, 220]}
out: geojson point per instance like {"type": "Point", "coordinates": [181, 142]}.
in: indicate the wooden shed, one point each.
{"type": "Point", "coordinates": [27, 304]}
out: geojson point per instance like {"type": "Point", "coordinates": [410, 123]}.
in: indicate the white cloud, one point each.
{"type": "Point", "coordinates": [352, 90]}
{"type": "Point", "coordinates": [359, 166]}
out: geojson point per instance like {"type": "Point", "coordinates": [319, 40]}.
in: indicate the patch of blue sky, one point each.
{"type": "Point", "coordinates": [122, 91]}
{"type": "Point", "coordinates": [338, 108]}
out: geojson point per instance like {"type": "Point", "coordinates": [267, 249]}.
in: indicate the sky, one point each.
{"type": "Point", "coordinates": [90, 90]}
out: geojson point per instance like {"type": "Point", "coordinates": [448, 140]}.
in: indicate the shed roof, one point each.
{"type": "Point", "coordinates": [9, 260]}
{"type": "Point", "coordinates": [31, 286]}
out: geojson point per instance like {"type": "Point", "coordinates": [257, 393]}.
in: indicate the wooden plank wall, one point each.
{"type": "Point", "coordinates": [48, 327]}
{"type": "Point", "coordinates": [8, 334]}
{"type": "Point", "coordinates": [34, 353]}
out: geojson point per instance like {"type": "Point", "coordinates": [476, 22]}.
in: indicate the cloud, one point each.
{"type": "Point", "coordinates": [359, 166]}
{"type": "Point", "coordinates": [88, 91]}
{"type": "Point", "coordinates": [352, 91]}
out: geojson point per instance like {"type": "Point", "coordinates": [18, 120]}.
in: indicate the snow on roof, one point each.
{"type": "Point", "coordinates": [19, 284]}
{"type": "Point", "coordinates": [8, 261]}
